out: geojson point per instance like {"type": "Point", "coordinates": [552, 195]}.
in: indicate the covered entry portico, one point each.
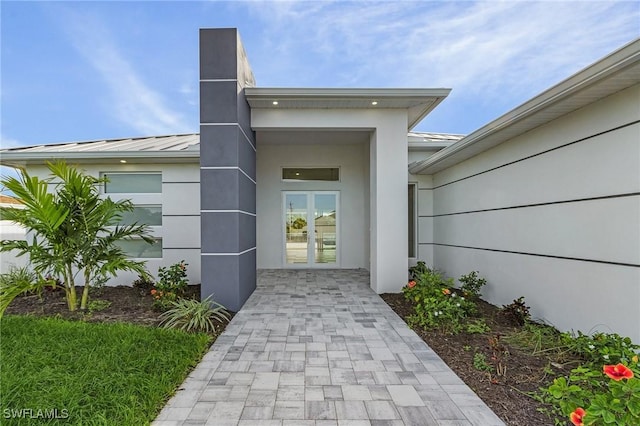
{"type": "Point", "coordinates": [363, 134]}
{"type": "Point", "coordinates": [249, 135]}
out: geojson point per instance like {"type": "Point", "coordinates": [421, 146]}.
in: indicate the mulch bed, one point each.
{"type": "Point", "coordinates": [505, 395]}
{"type": "Point", "coordinates": [128, 304]}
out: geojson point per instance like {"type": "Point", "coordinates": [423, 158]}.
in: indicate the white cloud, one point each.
{"type": "Point", "coordinates": [479, 48]}
{"type": "Point", "coordinates": [130, 99]}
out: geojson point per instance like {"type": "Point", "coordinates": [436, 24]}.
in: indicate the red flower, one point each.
{"type": "Point", "coordinates": [618, 372]}
{"type": "Point", "coordinates": [153, 291]}
{"type": "Point", "coordinates": [576, 416]}
{"type": "Point", "coordinates": [446, 291]}
{"type": "Point", "coordinates": [411, 284]}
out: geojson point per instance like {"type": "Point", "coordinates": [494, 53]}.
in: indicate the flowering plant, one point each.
{"type": "Point", "coordinates": [590, 396]}
{"type": "Point", "coordinates": [162, 299]}
{"type": "Point", "coordinates": [434, 304]}
{"type": "Point", "coordinates": [172, 282]}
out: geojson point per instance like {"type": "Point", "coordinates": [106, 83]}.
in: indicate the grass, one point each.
{"type": "Point", "coordinates": [542, 339]}
{"type": "Point", "coordinates": [94, 374]}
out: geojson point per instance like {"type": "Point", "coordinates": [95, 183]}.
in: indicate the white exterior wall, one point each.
{"type": "Point", "coordinates": [11, 231]}
{"type": "Point", "coordinates": [388, 178]}
{"type": "Point", "coordinates": [180, 200]}
{"type": "Point", "coordinates": [424, 228]}
{"type": "Point", "coordinates": [561, 227]}
{"type": "Point", "coordinates": [353, 224]}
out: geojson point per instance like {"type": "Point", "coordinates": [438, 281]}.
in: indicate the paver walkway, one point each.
{"type": "Point", "coordinates": [320, 348]}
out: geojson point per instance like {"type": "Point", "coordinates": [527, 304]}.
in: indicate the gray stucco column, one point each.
{"type": "Point", "coordinates": [227, 170]}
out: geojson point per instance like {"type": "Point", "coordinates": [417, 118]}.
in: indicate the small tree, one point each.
{"type": "Point", "coordinates": [72, 230]}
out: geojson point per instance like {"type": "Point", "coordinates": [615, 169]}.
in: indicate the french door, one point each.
{"type": "Point", "coordinates": [311, 228]}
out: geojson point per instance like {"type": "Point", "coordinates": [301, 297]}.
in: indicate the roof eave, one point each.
{"type": "Point", "coordinates": [428, 146]}
{"type": "Point", "coordinates": [417, 101]}
{"type": "Point", "coordinates": [333, 93]}
{"type": "Point", "coordinates": [622, 60]}
{"type": "Point", "coordinates": [18, 159]}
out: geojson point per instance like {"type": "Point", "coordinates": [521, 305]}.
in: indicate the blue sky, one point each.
{"type": "Point", "coordinates": [94, 70]}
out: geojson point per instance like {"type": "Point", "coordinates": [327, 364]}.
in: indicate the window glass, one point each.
{"type": "Point", "coordinates": [140, 249]}
{"type": "Point", "coordinates": [305, 174]}
{"type": "Point", "coordinates": [412, 220]}
{"type": "Point", "coordinates": [133, 183]}
{"type": "Point", "coordinates": [143, 215]}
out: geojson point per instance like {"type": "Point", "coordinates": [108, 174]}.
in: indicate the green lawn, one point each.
{"type": "Point", "coordinates": [93, 374]}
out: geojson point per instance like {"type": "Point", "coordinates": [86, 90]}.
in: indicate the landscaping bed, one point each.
{"type": "Point", "coordinates": [121, 303]}
{"type": "Point", "coordinates": [508, 395]}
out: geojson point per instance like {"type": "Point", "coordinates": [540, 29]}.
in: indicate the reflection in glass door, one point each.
{"type": "Point", "coordinates": [311, 228]}
{"type": "Point", "coordinates": [296, 213]}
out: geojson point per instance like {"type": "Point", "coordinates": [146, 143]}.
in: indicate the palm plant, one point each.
{"type": "Point", "coordinates": [72, 230]}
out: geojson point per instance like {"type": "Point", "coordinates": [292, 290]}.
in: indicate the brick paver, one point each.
{"type": "Point", "coordinates": [320, 348]}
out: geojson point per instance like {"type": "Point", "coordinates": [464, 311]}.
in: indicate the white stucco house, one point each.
{"type": "Point", "coordinates": [543, 201]}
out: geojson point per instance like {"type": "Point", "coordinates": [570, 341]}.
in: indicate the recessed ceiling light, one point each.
{"type": "Point", "coordinates": [374, 103]}
{"type": "Point", "coordinates": [275, 102]}
{"type": "Point", "coordinates": [123, 161]}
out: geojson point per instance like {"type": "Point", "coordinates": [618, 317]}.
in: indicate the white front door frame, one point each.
{"type": "Point", "coordinates": [311, 240]}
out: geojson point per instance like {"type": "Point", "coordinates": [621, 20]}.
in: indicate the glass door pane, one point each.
{"type": "Point", "coordinates": [296, 237]}
{"type": "Point", "coordinates": [325, 231]}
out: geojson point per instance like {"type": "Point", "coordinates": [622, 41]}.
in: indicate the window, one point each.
{"type": "Point", "coordinates": [143, 214]}
{"type": "Point", "coordinates": [140, 249]}
{"type": "Point", "coordinates": [133, 183]}
{"type": "Point", "coordinates": [412, 220]}
{"type": "Point", "coordinates": [330, 174]}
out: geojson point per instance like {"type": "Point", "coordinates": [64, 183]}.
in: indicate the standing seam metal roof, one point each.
{"type": "Point", "coordinates": [185, 142]}
{"type": "Point", "coordinates": [170, 143]}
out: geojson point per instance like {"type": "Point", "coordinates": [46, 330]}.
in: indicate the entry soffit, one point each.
{"type": "Point", "coordinates": [417, 102]}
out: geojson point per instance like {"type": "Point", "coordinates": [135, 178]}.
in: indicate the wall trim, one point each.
{"type": "Point", "coordinates": [579, 259]}
{"type": "Point", "coordinates": [226, 211]}
{"type": "Point", "coordinates": [181, 248]}
{"type": "Point", "coordinates": [540, 153]}
{"type": "Point", "coordinates": [229, 254]}
{"type": "Point", "coordinates": [177, 182]}
{"type": "Point", "coordinates": [247, 137]}
{"type": "Point", "coordinates": [209, 80]}
{"type": "Point", "coordinates": [548, 203]}
{"type": "Point", "coordinates": [228, 168]}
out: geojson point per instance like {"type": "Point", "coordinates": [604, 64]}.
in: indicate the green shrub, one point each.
{"type": "Point", "coordinates": [194, 316]}
{"type": "Point", "coordinates": [419, 269]}
{"type": "Point", "coordinates": [478, 326]}
{"type": "Point", "coordinates": [603, 348]}
{"type": "Point", "coordinates": [435, 305]}
{"type": "Point", "coordinates": [596, 395]}
{"type": "Point", "coordinates": [171, 285]}
{"type": "Point", "coordinates": [480, 362]}
{"type": "Point", "coordinates": [472, 284]}
{"type": "Point", "coordinates": [517, 312]}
